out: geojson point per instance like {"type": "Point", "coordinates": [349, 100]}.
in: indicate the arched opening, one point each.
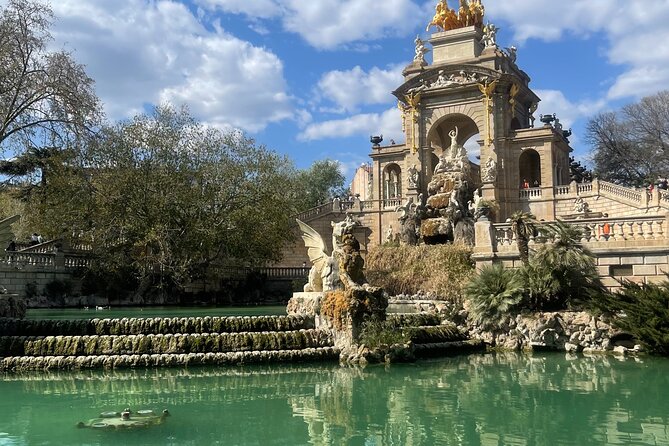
{"type": "Point", "coordinates": [440, 140]}
{"type": "Point", "coordinates": [392, 182]}
{"type": "Point", "coordinates": [515, 124]}
{"type": "Point", "coordinates": [530, 169]}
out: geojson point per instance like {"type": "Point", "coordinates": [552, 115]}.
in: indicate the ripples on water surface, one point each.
{"type": "Point", "coordinates": [503, 399]}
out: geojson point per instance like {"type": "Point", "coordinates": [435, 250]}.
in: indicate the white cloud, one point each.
{"type": "Point", "coordinates": [636, 31]}
{"type": "Point", "coordinates": [253, 8]}
{"type": "Point", "coordinates": [554, 101]}
{"type": "Point", "coordinates": [328, 24]}
{"type": "Point", "coordinates": [349, 89]}
{"type": "Point", "coordinates": [144, 52]}
{"type": "Point", "coordinates": [387, 123]}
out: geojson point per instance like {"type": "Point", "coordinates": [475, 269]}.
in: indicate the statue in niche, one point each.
{"type": "Point", "coordinates": [414, 179]}
{"type": "Point", "coordinates": [421, 51]}
{"type": "Point", "coordinates": [489, 171]}
{"type": "Point", "coordinates": [489, 39]}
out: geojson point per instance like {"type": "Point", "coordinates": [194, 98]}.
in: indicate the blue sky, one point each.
{"type": "Point", "coordinates": [312, 79]}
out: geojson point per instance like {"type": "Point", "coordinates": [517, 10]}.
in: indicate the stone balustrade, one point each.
{"type": "Point", "coordinates": [531, 193]}
{"type": "Point", "coordinates": [597, 231]}
{"type": "Point", "coordinates": [391, 203]}
{"type": "Point", "coordinates": [46, 260]}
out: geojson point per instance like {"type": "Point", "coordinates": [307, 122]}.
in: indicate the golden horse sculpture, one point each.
{"type": "Point", "coordinates": [470, 14]}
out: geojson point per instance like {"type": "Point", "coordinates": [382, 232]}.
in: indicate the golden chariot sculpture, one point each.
{"type": "Point", "coordinates": [470, 13]}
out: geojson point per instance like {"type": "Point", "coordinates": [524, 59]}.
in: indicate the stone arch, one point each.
{"type": "Point", "coordinates": [438, 128]}
{"type": "Point", "coordinates": [529, 167]}
{"type": "Point", "coordinates": [472, 111]}
{"type": "Point", "coordinates": [392, 181]}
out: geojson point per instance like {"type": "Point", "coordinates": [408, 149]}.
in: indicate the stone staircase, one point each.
{"type": "Point", "coordinates": [154, 342]}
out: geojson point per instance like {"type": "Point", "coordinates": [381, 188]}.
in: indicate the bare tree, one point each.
{"type": "Point", "coordinates": [631, 146]}
{"type": "Point", "coordinates": [46, 98]}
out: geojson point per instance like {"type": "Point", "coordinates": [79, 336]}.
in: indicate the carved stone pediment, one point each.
{"type": "Point", "coordinates": [447, 77]}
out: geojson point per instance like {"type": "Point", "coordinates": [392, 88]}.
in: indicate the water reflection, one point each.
{"type": "Point", "coordinates": [496, 399]}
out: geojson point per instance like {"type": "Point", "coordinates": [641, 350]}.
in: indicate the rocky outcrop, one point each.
{"type": "Point", "coordinates": [561, 331]}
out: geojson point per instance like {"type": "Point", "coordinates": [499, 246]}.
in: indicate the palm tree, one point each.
{"type": "Point", "coordinates": [523, 226]}
{"type": "Point", "coordinates": [562, 273]}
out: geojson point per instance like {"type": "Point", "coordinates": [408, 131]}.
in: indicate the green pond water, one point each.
{"type": "Point", "coordinates": [494, 399]}
{"type": "Point", "coordinates": [119, 312]}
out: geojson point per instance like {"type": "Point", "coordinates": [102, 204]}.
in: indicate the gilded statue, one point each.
{"type": "Point", "coordinates": [470, 13]}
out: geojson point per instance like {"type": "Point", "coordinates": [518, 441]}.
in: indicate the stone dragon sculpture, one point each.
{"type": "Point", "coordinates": [341, 270]}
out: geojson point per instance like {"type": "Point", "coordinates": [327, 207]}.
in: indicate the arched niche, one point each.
{"type": "Point", "coordinates": [529, 165]}
{"type": "Point", "coordinates": [439, 140]}
{"type": "Point", "coordinates": [438, 135]}
{"type": "Point", "coordinates": [392, 181]}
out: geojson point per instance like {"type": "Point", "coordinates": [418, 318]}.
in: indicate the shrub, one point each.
{"type": "Point", "coordinates": [58, 288]}
{"type": "Point", "coordinates": [439, 269]}
{"type": "Point", "coordinates": [561, 274]}
{"type": "Point", "coordinates": [642, 311]}
{"type": "Point", "coordinates": [493, 294]}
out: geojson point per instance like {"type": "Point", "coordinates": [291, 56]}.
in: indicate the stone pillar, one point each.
{"type": "Point", "coordinates": [485, 243]}
{"type": "Point", "coordinates": [59, 261]}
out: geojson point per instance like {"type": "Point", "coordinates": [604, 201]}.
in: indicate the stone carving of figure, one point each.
{"type": "Point", "coordinates": [421, 51]}
{"type": "Point", "coordinates": [413, 177]}
{"type": "Point", "coordinates": [581, 206]}
{"type": "Point", "coordinates": [512, 53]}
{"type": "Point", "coordinates": [443, 81]}
{"type": "Point", "coordinates": [442, 166]}
{"type": "Point", "coordinates": [489, 39]}
{"type": "Point", "coordinates": [489, 171]}
{"type": "Point", "coordinates": [533, 109]}
{"type": "Point", "coordinates": [405, 209]}
{"type": "Point", "coordinates": [455, 151]}
{"type": "Point", "coordinates": [477, 197]}
{"type": "Point", "coordinates": [389, 234]}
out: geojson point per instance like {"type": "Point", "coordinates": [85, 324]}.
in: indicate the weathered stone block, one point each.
{"type": "Point", "coordinates": [644, 270]}
{"type": "Point", "coordinates": [635, 260]}
{"type": "Point", "coordinates": [608, 261]}
{"type": "Point", "coordinates": [654, 260]}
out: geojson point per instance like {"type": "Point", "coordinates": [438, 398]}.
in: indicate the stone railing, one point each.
{"type": "Point", "coordinates": [620, 191]}
{"type": "Point", "coordinates": [271, 272]}
{"type": "Point", "coordinates": [531, 193]}
{"type": "Point", "coordinates": [47, 260]}
{"type": "Point", "coordinates": [29, 259]}
{"type": "Point", "coordinates": [597, 230]}
{"type": "Point", "coordinates": [392, 203]}
{"type": "Point", "coordinates": [562, 190]}
{"type": "Point", "coordinates": [314, 212]}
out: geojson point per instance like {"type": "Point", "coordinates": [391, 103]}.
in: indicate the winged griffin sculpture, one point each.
{"type": "Point", "coordinates": [341, 270]}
